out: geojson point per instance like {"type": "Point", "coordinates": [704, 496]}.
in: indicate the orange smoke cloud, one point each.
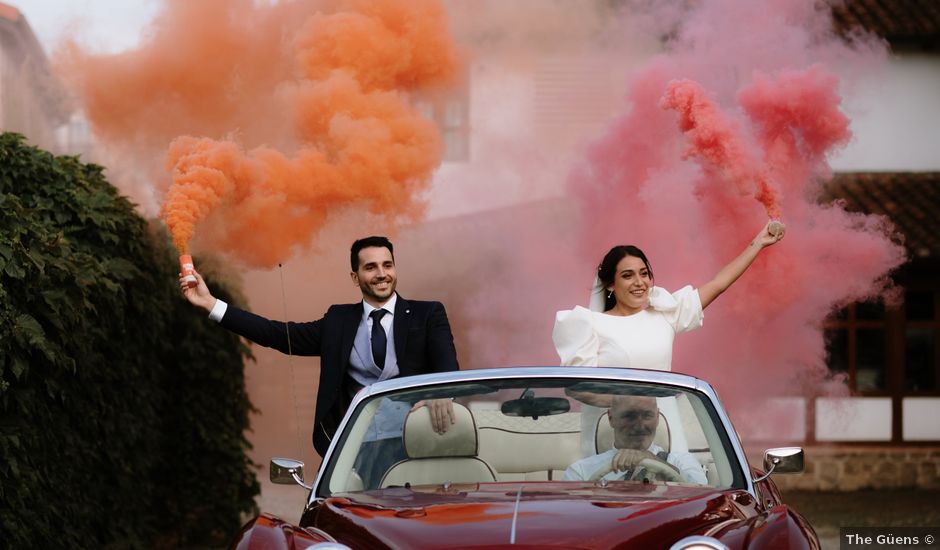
{"type": "Point", "coordinates": [276, 116]}
{"type": "Point", "coordinates": [204, 68]}
{"type": "Point", "coordinates": [715, 139]}
{"type": "Point", "coordinates": [362, 142]}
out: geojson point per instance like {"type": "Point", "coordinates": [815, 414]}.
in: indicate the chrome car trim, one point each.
{"type": "Point", "coordinates": [698, 542]}
{"type": "Point", "coordinates": [515, 516]}
{"type": "Point", "coordinates": [319, 532]}
{"type": "Point", "coordinates": [503, 373]}
{"type": "Point", "coordinates": [716, 528]}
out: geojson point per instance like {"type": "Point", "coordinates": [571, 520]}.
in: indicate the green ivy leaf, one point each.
{"type": "Point", "coordinates": [29, 327]}
{"type": "Point", "coordinates": [19, 366]}
{"type": "Point", "coordinates": [14, 271]}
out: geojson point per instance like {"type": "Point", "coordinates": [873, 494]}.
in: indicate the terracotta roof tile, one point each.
{"type": "Point", "coordinates": [910, 199]}
{"type": "Point", "coordinates": [901, 22]}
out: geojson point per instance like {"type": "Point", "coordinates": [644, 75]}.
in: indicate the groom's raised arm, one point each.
{"type": "Point", "coordinates": [304, 337]}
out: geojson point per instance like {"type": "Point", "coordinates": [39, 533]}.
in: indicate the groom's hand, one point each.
{"type": "Point", "coordinates": [198, 295]}
{"type": "Point", "coordinates": [441, 411]}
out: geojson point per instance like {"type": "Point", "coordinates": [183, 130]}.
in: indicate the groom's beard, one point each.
{"type": "Point", "coordinates": [377, 291]}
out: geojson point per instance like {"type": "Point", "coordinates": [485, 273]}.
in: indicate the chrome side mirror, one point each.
{"type": "Point", "coordinates": [782, 460]}
{"type": "Point", "coordinates": [286, 471]}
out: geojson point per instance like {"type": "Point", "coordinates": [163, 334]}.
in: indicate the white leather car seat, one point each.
{"type": "Point", "coordinates": [438, 458]}
{"type": "Point", "coordinates": [522, 448]}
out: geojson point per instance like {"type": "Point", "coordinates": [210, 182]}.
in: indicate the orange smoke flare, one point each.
{"type": "Point", "coordinates": [362, 143]}
{"type": "Point", "coordinates": [715, 139]}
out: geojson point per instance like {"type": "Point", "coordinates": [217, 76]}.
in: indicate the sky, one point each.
{"type": "Point", "coordinates": [103, 25]}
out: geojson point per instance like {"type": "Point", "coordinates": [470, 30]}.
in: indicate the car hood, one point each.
{"type": "Point", "coordinates": [558, 515]}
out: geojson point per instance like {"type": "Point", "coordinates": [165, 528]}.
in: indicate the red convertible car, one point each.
{"type": "Point", "coordinates": [535, 457]}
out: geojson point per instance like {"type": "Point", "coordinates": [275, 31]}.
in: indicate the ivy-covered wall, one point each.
{"type": "Point", "coordinates": [123, 410]}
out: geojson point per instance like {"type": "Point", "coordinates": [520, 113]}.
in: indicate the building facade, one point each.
{"type": "Point", "coordinates": [32, 101]}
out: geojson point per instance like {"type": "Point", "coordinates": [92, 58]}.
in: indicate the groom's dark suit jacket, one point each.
{"type": "Point", "coordinates": [423, 344]}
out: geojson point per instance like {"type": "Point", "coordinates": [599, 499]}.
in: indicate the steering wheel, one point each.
{"type": "Point", "coordinates": [600, 472]}
{"type": "Point", "coordinates": [661, 469]}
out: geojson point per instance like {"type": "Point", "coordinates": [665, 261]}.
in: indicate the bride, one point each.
{"type": "Point", "coordinates": [632, 324]}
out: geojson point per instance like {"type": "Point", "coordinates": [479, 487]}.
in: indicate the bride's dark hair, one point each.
{"type": "Point", "coordinates": [607, 270]}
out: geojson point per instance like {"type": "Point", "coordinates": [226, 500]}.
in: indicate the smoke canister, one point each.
{"type": "Point", "coordinates": [188, 270]}
{"type": "Point", "coordinates": [776, 228]}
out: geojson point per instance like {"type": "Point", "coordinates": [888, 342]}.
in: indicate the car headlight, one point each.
{"type": "Point", "coordinates": [698, 542]}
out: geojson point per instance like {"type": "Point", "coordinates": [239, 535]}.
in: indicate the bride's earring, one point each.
{"type": "Point", "coordinates": [609, 294]}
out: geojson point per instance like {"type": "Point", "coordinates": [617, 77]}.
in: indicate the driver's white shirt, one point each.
{"type": "Point", "coordinates": [689, 468]}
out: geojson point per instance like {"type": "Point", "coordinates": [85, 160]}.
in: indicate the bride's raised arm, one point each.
{"type": "Point", "coordinates": [730, 273]}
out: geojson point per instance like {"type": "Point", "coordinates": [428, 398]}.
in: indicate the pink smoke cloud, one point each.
{"type": "Point", "coordinates": [758, 104]}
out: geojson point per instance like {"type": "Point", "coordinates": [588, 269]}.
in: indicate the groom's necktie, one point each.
{"type": "Point", "coordinates": [379, 339]}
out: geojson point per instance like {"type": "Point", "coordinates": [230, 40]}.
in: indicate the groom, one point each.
{"type": "Point", "coordinates": [383, 336]}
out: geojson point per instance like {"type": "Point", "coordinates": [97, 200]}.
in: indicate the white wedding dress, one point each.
{"type": "Point", "coordinates": [590, 338]}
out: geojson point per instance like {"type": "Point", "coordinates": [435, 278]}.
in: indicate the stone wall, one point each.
{"type": "Point", "coordinates": [856, 468]}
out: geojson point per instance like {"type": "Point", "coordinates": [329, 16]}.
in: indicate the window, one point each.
{"type": "Point", "coordinates": [921, 330]}
{"type": "Point", "coordinates": [856, 344]}
{"type": "Point", "coordinates": [893, 351]}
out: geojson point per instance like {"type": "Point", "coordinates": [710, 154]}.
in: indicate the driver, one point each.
{"type": "Point", "coordinates": [634, 420]}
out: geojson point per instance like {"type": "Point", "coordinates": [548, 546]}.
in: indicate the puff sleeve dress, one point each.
{"type": "Point", "coordinates": [585, 338]}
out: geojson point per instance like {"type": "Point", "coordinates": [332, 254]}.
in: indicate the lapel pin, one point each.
{"type": "Point", "coordinates": [407, 311]}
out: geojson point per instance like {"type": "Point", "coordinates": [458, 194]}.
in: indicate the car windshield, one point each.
{"type": "Point", "coordinates": [535, 430]}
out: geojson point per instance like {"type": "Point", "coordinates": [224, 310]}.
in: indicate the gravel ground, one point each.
{"type": "Point", "coordinates": [827, 512]}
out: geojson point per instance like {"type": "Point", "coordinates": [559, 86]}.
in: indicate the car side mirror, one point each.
{"type": "Point", "coordinates": [286, 471]}
{"type": "Point", "coordinates": [782, 460]}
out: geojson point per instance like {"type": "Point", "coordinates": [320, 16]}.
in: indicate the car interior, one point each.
{"type": "Point", "coordinates": [490, 442]}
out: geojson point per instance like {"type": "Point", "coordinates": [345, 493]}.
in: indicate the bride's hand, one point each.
{"type": "Point", "coordinates": [766, 237]}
